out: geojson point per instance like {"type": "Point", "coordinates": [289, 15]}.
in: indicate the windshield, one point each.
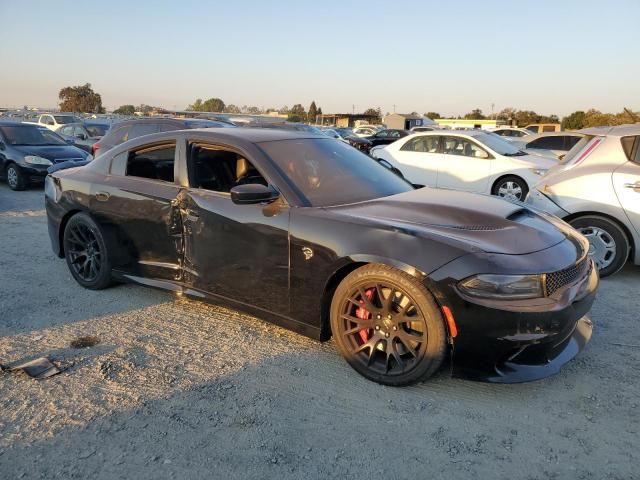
{"type": "Point", "coordinates": [333, 173]}
{"type": "Point", "coordinates": [497, 144]}
{"type": "Point", "coordinates": [64, 119]}
{"type": "Point", "coordinates": [29, 135]}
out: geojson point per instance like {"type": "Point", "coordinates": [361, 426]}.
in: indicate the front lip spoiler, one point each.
{"type": "Point", "coordinates": [510, 371]}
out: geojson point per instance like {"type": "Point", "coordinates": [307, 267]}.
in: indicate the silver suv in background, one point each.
{"type": "Point", "coordinates": [596, 188]}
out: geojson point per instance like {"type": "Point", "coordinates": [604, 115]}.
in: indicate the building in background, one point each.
{"type": "Point", "coordinates": [345, 120]}
{"type": "Point", "coordinates": [461, 123]}
{"type": "Point", "coordinates": [406, 121]}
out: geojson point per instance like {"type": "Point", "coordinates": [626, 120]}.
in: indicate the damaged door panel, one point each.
{"type": "Point", "coordinates": [240, 252]}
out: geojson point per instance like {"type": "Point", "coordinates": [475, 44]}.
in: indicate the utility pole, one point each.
{"type": "Point", "coordinates": [492, 107]}
{"type": "Point", "coordinates": [394, 108]}
{"type": "Point", "coordinates": [353, 109]}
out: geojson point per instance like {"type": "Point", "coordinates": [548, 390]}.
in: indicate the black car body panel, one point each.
{"type": "Point", "coordinates": [386, 137]}
{"type": "Point", "coordinates": [282, 260]}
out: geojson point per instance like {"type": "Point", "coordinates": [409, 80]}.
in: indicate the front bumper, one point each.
{"type": "Point", "coordinates": [540, 201]}
{"type": "Point", "coordinates": [520, 341]}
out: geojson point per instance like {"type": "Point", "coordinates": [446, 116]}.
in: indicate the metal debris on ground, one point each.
{"type": "Point", "coordinates": [39, 368]}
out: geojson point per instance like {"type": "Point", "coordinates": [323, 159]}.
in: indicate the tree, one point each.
{"type": "Point", "coordinates": [125, 110]}
{"type": "Point", "coordinates": [231, 108]}
{"type": "Point", "coordinates": [370, 111]}
{"type": "Point", "coordinates": [283, 110]}
{"type": "Point", "coordinates": [432, 115]}
{"type": "Point", "coordinates": [475, 114]}
{"type": "Point", "coordinates": [210, 105]}
{"type": "Point", "coordinates": [81, 98]}
{"type": "Point", "coordinates": [254, 110]}
{"type": "Point", "coordinates": [297, 113]}
{"type": "Point", "coordinates": [526, 117]}
{"type": "Point", "coordinates": [313, 111]}
{"type": "Point", "coordinates": [506, 114]}
{"type": "Point", "coordinates": [595, 118]}
{"type": "Point", "coordinates": [573, 121]}
{"type": "Point", "coordinates": [144, 109]}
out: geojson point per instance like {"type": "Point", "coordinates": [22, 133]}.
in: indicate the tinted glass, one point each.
{"type": "Point", "coordinates": [424, 143]}
{"type": "Point", "coordinates": [461, 146]}
{"type": "Point", "coordinates": [549, 128]}
{"type": "Point", "coordinates": [63, 119]}
{"type": "Point", "coordinates": [219, 170]}
{"type": "Point", "coordinates": [29, 135]}
{"type": "Point", "coordinates": [155, 162]}
{"type": "Point", "coordinates": [66, 131]}
{"type": "Point", "coordinates": [548, 143]}
{"type": "Point", "coordinates": [577, 148]}
{"type": "Point", "coordinates": [332, 173]}
{"type": "Point", "coordinates": [627, 146]}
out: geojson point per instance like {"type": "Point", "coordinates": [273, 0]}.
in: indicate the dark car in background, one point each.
{"type": "Point", "coordinates": [386, 137]}
{"type": "Point", "coordinates": [27, 151]}
{"type": "Point", "coordinates": [97, 128]}
{"type": "Point", "coordinates": [128, 129]}
{"type": "Point", "coordinates": [304, 231]}
{"type": "Point", "coordinates": [79, 135]}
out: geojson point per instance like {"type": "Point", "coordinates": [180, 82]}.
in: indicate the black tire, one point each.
{"type": "Point", "coordinates": [511, 180]}
{"type": "Point", "coordinates": [382, 346]}
{"type": "Point", "coordinates": [86, 252]}
{"type": "Point", "coordinates": [15, 178]}
{"type": "Point", "coordinates": [601, 231]}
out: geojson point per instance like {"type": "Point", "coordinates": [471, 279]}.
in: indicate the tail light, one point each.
{"type": "Point", "coordinates": [94, 149]}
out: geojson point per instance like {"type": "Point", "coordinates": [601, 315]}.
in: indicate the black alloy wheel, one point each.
{"type": "Point", "coordinates": [86, 252]}
{"type": "Point", "coordinates": [387, 326]}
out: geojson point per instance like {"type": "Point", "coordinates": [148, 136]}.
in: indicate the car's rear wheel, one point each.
{"type": "Point", "coordinates": [387, 326]}
{"type": "Point", "coordinates": [608, 243]}
{"type": "Point", "coordinates": [86, 252]}
{"type": "Point", "coordinates": [511, 187]}
{"type": "Point", "coordinates": [15, 178]}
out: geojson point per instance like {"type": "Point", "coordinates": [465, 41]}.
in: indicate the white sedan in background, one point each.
{"type": "Point", "coordinates": [472, 160]}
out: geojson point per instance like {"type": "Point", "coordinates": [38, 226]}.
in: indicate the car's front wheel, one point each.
{"type": "Point", "coordinates": [15, 178]}
{"type": "Point", "coordinates": [387, 326]}
{"type": "Point", "coordinates": [608, 243]}
{"type": "Point", "coordinates": [86, 252]}
{"type": "Point", "coordinates": [511, 187]}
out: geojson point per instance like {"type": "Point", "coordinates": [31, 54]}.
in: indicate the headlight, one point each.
{"type": "Point", "coordinates": [504, 287]}
{"type": "Point", "coordinates": [35, 160]}
{"type": "Point", "coordinates": [539, 171]}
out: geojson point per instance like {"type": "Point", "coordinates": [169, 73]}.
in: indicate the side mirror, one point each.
{"type": "Point", "coordinates": [253, 193]}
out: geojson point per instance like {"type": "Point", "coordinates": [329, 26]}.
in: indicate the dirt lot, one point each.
{"type": "Point", "coordinates": [179, 389]}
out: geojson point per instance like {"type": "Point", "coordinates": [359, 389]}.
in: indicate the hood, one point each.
{"type": "Point", "coordinates": [55, 153]}
{"type": "Point", "coordinates": [484, 222]}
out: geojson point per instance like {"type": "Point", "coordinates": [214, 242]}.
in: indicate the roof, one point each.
{"type": "Point", "coordinates": [257, 135]}
{"type": "Point", "coordinates": [563, 133]}
{"type": "Point", "coordinates": [617, 131]}
{"type": "Point", "coordinates": [16, 124]}
{"type": "Point", "coordinates": [410, 116]}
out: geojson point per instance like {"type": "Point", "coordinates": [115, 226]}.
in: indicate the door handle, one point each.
{"type": "Point", "coordinates": [635, 186]}
{"type": "Point", "coordinates": [102, 196]}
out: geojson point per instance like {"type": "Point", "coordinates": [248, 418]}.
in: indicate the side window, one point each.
{"type": "Point", "coordinates": [394, 134]}
{"type": "Point", "coordinates": [549, 128]}
{"type": "Point", "coordinates": [119, 164]}
{"type": "Point", "coordinates": [382, 134]}
{"type": "Point", "coordinates": [548, 143]}
{"type": "Point", "coordinates": [154, 162]}
{"type": "Point", "coordinates": [142, 129]}
{"type": "Point", "coordinates": [517, 133]}
{"type": "Point", "coordinates": [463, 147]}
{"type": "Point", "coordinates": [570, 141]}
{"type": "Point", "coordinates": [628, 144]}
{"type": "Point", "coordinates": [424, 143]}
{"type": "Point", "coordinates": [66, 131]}
{"type": "Point", "coordinates": [218, 169]}
{"type": "Point", "coordinates": [47, 120]}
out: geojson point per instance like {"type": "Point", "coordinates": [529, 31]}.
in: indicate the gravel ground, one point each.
{"type": "Point", "coordinates": [180, 389]}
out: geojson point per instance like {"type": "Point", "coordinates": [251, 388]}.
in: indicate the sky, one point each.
{"type": "Point", "coordinates": [444, 56]}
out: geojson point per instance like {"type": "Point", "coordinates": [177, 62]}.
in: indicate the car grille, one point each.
{"type": "Point", "coordinates": [559, 279]}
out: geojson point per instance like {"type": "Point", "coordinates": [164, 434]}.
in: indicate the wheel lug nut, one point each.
{"type": "Point", "coordinates": [389, 317]}
{"type": "Point", "coordinates": [386, 334]}
{"type": "Point", "coordinates": [377, 327]}
{"type": "Point", "coordinates": [395, 328]}
{"type": "Point", "coordinates": [378, 317]}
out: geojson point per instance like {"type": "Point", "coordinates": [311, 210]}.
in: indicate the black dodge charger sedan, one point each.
{"type": "Point", "coordinates": [307, 232]}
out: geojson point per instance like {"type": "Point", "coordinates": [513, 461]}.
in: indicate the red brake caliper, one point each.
{"type": "Point", "coordinates": [364, 314]}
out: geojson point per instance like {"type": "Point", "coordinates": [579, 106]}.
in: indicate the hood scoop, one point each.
{"type": "Point", "coordinates": [473, 228]}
